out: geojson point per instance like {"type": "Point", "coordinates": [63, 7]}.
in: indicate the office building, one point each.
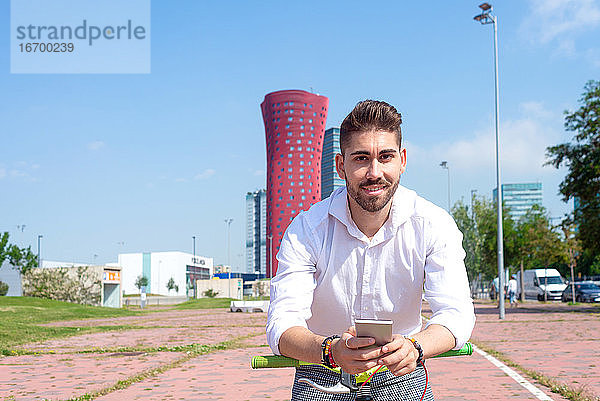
{"type": "Point", "coordinates": [256, 232]}
{"type": "Point", "coordinates": [519, 198]}
{"type": "Point", "coordinates": [294, 128]}
{"type": "Point", "coordinates": [330, 180]}
{"type": "Point", "coordinates": [160, 267]}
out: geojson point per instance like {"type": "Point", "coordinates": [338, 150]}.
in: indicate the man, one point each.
{"type": "Point", "coordinates": [369, 251]}
{"type": "Point", "coordinates": [512, 290]}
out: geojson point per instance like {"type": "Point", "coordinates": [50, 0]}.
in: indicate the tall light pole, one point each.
{"type": "Point", "coordinates": [194, 247]}
{"type": "Point", "coordinates": [39, 260]}
{"type": "Point", "coordinates": [473, 191]}
{"type": "Point", "coordinates": [445, 166]}
{"type": "Point", "coordinates": [228, 222]}
{"type": "Point", "coordinates": [485, 18]}
{"type": "Point", "coordinates": [270, 237]}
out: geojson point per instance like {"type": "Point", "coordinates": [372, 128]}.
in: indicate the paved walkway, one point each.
{"type": "Point", "coordinates": [559, 341]}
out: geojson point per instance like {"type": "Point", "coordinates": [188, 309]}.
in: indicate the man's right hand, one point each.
{"type": "Point", "coordinates": [355, 354]}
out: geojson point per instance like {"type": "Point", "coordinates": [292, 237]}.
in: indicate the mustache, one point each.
{"type": "Point", "coordinates": [380, 181]}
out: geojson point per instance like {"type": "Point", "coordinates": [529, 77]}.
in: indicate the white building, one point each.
{"type": "Point", "coordinates": [160, 267]}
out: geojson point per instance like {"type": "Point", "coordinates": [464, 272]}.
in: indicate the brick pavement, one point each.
{"type": "Point", "coordinates": [556, 340]}
{"type": "Point", "coordinates": [531, 336]}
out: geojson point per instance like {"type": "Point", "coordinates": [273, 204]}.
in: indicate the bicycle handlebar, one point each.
{"type": "Point", "coordinates": [279, 361]}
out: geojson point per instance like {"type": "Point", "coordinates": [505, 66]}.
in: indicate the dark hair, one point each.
{"type": "Point", "coordinates": [370, 115]}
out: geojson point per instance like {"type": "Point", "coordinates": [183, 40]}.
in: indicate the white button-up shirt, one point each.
{"type": "Point", "coordinates": [330, 273]}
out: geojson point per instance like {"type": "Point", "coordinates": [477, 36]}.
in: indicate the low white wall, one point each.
{"type": "Point", "coordinates": [226, 288]}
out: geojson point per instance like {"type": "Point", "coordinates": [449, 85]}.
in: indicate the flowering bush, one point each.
{"type": "Point", "coordinates": [81, 285]}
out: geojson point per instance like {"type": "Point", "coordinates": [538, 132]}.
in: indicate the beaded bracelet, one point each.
{"type": "Point", "coordinates": [418, 347]}
{"type": "Point", "coordinates": [326, 354]}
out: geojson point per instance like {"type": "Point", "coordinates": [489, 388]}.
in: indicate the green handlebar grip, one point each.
{"type": "Point", "coordinates": [279, 361]}
{"type": "Point", "coordinates": [466, 350]}
{"type": "Point", "coordinates": [275, 361]}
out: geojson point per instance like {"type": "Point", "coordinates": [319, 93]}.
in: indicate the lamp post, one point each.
{"type": "Point", "coordinates": [39, 260]}
{"type": "Point", "coordinates": [445, 166]}
{"type": "Point", "coordinates": [228, 222]}
{"type": "Point", "coordinates": [485, 18]}
{"type": "Point", "coordinates": [473, 191]}
{"type": "Point", "coordinates": [270, 237]}
{"type": "Point", "coordinates": [194, 247]}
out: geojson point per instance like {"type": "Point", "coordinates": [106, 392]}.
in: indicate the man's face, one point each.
{"type": "Point", "coordinates": [372, 165]}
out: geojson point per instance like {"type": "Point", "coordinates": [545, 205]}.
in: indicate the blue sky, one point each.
{"type": "Point", "coordinates": [107, 163]}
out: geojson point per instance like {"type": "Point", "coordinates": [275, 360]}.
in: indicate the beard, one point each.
{"type": "Point", "coordinates": [372, 203]}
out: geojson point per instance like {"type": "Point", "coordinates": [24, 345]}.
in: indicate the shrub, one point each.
{"type": "Point", "coordinates": [210, 293]}
{"type": "Point", "coordinates": [79, 285]}
{"type": "Point", "coordinates": [3, 289]}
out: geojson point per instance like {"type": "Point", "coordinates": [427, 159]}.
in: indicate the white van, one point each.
{"type": "Point", "coordinates": [536, 282]}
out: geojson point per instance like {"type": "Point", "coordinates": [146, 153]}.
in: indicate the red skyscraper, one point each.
{"type": "Point", "coordinates": [294, 128]}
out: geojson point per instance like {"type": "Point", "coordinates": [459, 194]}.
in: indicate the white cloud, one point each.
{"type": "Point", "coordinates": [2, 173]}
{"type": "Point", "coordinates": [205, 174]}
{"type": "Point", "coordinates": [550, 19]}
{"type": "Point", "coordinates": [523, 144]}
{"type": "Point", "coordinates": [180, 180]}
{"type": "Point", "coordinates": [537, 111]}
{"type": "Point", "coordinates": [593, 56]}
{"type": "Point", "coordinates": [259, 173]}
{"type": "Point", "coordinates": [95, 145]}
{"type": "Point", "coordinates": [17, 173]}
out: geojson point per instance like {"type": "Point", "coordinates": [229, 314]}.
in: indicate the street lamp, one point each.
{"type": "Point", "coordinates": [270, 237]}
{"type": "Point", "coordinates": [485, 18]}
{"type": "Point", "coordinates": [444, 165]}
{"type": "Point", "coordinates": [228, 222]}
{"type": "Point", "coordinates": [473, 192]}
{"type": "Point", "coordinates": [39, 260]}
{"type": "Point", "coordinates": [194, 248]}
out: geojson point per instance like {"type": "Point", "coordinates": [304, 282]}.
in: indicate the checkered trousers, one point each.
{"type": "Point", "coordinates": [384, 386]}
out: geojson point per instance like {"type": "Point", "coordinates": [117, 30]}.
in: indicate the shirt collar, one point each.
{"type": "Point", "coordinates": [403, 206]}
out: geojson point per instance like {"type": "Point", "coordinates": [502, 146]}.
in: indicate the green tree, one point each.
{"type": "Point", "coordinates": [537, 244]}
{"type": "Point", "coordinates": [22, 259]}
{"type": "Point", "coordinates": [582, 159]}
{"type": "Point", "coordinates": [3, 247]}
{"type": "Point", "coordinates": [141, 281]}
{"type": "Point", "coordinates": [3, 289]}
{"type": "Point", "coordinates": [171, 285]}
{"type": "Point", "coordinates": [471, 240]}
{"type": "Point", "coordinates": [479, 228]}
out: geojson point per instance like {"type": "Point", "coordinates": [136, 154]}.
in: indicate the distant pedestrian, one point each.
{"type": "Point", "coordinates": [512, 290]}
{"type": "Point", "coordinates": [494, 289]}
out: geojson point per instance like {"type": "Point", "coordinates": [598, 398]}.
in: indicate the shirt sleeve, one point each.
{"type": "Point", "coordinates": [293, 286]}
{"type": "Point", "coordinates": [446, 283]}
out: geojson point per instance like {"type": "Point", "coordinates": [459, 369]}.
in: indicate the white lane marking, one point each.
{"type": "Point", "coordinates": [540, 395]}
{"type": "Point", "coordinates": [514, 375]}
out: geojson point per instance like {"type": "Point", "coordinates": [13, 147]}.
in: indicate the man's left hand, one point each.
{"type": "Point", "coordinates": [401, 356]}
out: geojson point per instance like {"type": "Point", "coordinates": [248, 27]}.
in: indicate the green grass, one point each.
{"type": "Point", "coordinates": [20, 318]}
{"type": "Point", "coordinates": [205, 303]}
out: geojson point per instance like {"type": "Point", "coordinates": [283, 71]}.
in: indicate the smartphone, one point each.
{"type": "Point", "coordinates": [380, 330]}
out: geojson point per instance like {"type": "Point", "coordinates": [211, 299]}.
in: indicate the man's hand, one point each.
{"type": "Point", "coordinates": [356, 354]}
{"type": "Point", "coordinates": [400, 356]}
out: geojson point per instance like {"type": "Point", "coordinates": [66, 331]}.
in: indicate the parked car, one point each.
{"type": "Point", "coordinates": [540, 283]}
{"type": "Point", "coordinates": [584, 292]}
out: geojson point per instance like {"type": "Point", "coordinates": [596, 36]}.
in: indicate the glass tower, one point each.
{"type": "Point", "coordinates": [520, 197]}
{"type": "Point", "coordinates": [330, 180]}
{"type": "Point", "coordinates": [256, 232]}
